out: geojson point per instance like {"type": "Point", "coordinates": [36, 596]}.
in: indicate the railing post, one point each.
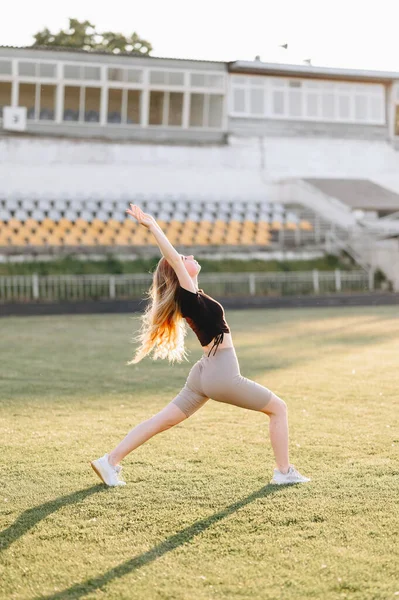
{"type": "Point", "coordinates": [112, 286]}
{"type": "Point", "coordinates": [338, 284]}
{"type": "Point", "coordinates": [252, 284]}
{"type": "Point", "coordinates": [35, 286]}
{"type": "Point", "coordinates": [316, 286]}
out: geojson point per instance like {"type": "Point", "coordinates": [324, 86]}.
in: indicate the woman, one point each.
{"type": "Point", "coordinates": [175, 300]}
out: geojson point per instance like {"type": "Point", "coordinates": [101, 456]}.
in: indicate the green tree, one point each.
{"type": "Point", "coordinates": [83, 35]}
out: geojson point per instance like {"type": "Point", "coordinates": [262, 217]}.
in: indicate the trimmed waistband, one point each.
{"type": "Point", "coordinates": [205, 354]}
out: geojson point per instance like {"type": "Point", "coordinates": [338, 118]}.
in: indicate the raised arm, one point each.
{"type": "Point", "coordinates": [167, 249]}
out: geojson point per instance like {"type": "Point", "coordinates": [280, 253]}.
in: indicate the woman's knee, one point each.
{"type": "Point", "coordinates": [275, 406]}
{"type": "Point", "coordinates": [168, 417]}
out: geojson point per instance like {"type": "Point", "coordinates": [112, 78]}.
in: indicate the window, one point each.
{"type": "Point", "coordinates": [257, 101]}
{"type": "Point", "coordinates": [327, 106]}
{"type": "Point", "coordinates": [175, 116]}
{"type": "Point", "coordinates": [344, 107]}
{"type": "Point", "coordinates": [312, 105]}
{"type": "Point", "coordinates": [208, 80]}
{"type": "Point", "coordinates": [166, 78]}
{"type": "Point", "coordinates": [92, 104]}
{"type": "Point", "coordinates": [36, 69]}
{"type": "Point", "coordinates": [278, 103]}
{"type": "Point", "coordinates": [71, 72]}
{"type": "Point", "coordinates": [295, 103]}
{"type": "Point", "coordinates": [206, 110]}
{"type": "Point", "coordinates": [281, 98]}
{"type": "Point", "coordinates": [397, 120]}
{"type": "Point", "coordinates": [134, 75]}
{"type": "Point", "coordinates": [27, 69]}
{"type": "Point", "coordinates": [197, 110]}
{"type": "Point", "coordinates": [377, 109]}
{"type": "Point", "coordinates": [361, 108]}
{"type": "Point", "coordinates": [91, 73]}
{"type": "Point", "coordinates": [47, 102]}
{"type": "Point", "coordinates": [166, 108]}
{"type": "Point", "coordinates": [114, 74]}
{"type": "Point", "coordinates": [82, 72]}
{"type": "Point", "coordinates": [215, 116]}
{"type": "Point", "coordinates": [125, 75]}
{"type": "Point", "coordinates": [47, 70]}
{"type": "Point", "coordinates": [133, 106]}
{"type": "Point", "coordinates": [71, 103]}
{"type": "Point", "coordinates": [27, 97]}
{"type": "Point", "coordinates": [156, 108]}
{"type": "Point", "coordinates": [5, 95]}
{"type": "Point", "coordinates": [5, 67]}
{"type": "Point", "coordinates": [114, 106]}
{"type": "Point", "coordinates": [239, 100]}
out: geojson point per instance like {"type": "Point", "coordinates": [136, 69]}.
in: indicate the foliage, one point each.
{"type": "Point", "coordinates": [111, 265]}
{"type": "Point", "coordinates": [83, 35]}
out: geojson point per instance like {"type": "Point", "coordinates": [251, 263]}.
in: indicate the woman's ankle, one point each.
{"type": "Point", "coordinates": [283, 469]}
{"type": "Point", "coordinates": [112, 460]}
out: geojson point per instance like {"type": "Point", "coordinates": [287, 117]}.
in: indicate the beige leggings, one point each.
{"type": "Point", "coordinates": [218, 377]}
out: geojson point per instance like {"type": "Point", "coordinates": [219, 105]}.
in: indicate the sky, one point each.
{"type": "Point", "coordinates": [345, 33]}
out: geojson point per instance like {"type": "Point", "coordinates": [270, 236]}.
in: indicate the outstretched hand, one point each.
{"type": "Point", "coordinates": [143, 218]}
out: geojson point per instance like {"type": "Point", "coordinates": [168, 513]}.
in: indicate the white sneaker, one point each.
{"type": "Point", "coordinates": [108, 473]}
{"type": "Point", "coordinates": [292, 476]}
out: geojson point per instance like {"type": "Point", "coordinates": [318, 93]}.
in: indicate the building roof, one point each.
{"type": "Point", "coordinates": [104, 53]}
{"type": "Point", "coordinates": [262, 68]}
{"type": "Point", "coordinates": [359, 194]}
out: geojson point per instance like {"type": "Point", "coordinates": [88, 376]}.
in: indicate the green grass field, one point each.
{"type": "Point", "coordinates": [198, 519]}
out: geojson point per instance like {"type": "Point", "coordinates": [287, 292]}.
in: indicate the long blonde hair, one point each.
{"type": "Point", "coordinates": [162, 326]}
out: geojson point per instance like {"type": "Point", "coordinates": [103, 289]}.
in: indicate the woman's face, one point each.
{"type": "Point", "coordinates": [192, 266]}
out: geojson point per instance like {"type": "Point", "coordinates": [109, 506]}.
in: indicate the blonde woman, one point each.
{"type": "Point", "coordinates": [175, 300]}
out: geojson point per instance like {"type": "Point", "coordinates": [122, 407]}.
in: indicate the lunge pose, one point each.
{"type": "Point", "coordinates": [175, 300]}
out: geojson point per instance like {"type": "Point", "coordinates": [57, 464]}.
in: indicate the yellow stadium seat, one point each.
{"type": "Point", "coordinates": [163, 224]}
{"type": "Point", "coordinates": [186, 237]}
{"type": "Point", "coordinates": [205, 226]}
{"type": "Point", "coordinates": [64, 224]}
{"type": "Point", "coordinates": [290, 226]}
{"type": "Point", "coordinates": [106, 238]}
{"type": "Point", "coordinates": [5, 239]}
{"type": "Point", "coordinates": [89, 238]}
{"type": "Point", "coordinates": [113, 224]}
{"type": "Point", "coordinates": [123, 238]}
{"type": "Point", "coordinates": [97, 225]}
{"type": "Point", "coordinates": [201, 238]}
{"type": "Point", "coordinates": [48, 224]}
{"type": "Point", "coordinates": [53, 239]}
{"type": "Point", "coordinates": [276, 225]}
{"type": "Point", "coordinates": [173, 236]}
{"type": "Point", "coordinates": [14, 223]}
{"type": "Point", "coordinates": [81, 224]}
{"type": "Point", "coordinates": [37, 239]}
{"type": "Point", "coordinates": [31, 224]}
{"type": "Point", "coordinates": [217, 236]}
{"type": "Point", "coordinates": [306, 226]}
{"type": "Point", "coordinates": [232, 238]}
{"type": "Point", "coordinates": [262, 238]}
{"type": "Point", "coordinates": [72, 237]}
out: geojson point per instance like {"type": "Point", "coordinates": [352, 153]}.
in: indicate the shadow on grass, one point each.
{"type": "Point", "coordinates": [32, 516]}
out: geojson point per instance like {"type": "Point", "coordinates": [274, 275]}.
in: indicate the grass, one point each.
{"type": "Point", "coordinates": [70, 265]}
{"type": "Point", "coordinates": [198, 519]}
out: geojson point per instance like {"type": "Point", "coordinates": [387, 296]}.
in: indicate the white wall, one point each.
{"type": "Point", "coordinates": [243, 168]}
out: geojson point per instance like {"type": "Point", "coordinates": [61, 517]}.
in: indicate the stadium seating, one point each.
{"type": "Point", "coordinates": [102, 222]}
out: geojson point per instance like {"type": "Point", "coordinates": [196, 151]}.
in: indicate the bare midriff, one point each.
{"type": "Point", "coordinates": [227, 343]}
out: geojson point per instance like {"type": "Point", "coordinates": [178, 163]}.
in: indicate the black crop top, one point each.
{"type": "Point", "coordinates": [204, 315]}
